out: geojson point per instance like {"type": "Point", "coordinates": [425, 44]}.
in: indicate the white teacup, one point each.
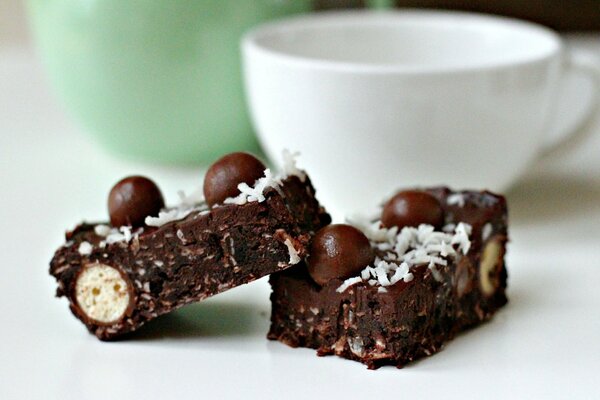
{"type": "Point", "coordinates": [376, 101]}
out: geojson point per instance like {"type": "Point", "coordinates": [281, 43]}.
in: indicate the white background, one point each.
{"type": "Point", "coordinates": [544, 344]}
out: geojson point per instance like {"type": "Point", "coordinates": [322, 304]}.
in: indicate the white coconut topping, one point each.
{"type": "Point", "coordinates": [122, 234]}
{"type": "Point", "coordinates": [461, 237]}
{"type": "Point", "coordinates": [101, 293]}
{"type": "Point", "coordinates": [347, 283]}
{"type": "Point", "coordinates": [294, 257]}
{"type": "Point", "coordinates": [253, 193]}
{"type": "Point", "coordinates": [175, 214]}
{"type": "Point", "coordinates": [256, 193]}
{"type": "Point", "coordinates": [449, 228]}
{"type": "Point", "coordinates": [407, 248]}
{"type": "Point", "coordinates": [289, 165]}
{"type": "Point", "coordinates": [102, 230]}
{"type": "Point", "coordinates": [195, 200]}
{"type": "Point", "coordinates": [126, 231]}
{"type": "Point", "coordinates": [187, 205]}
{"type": "Point", "coordinates": [456, 199]}
{"type": "Point", "coordinates": [85, 248]}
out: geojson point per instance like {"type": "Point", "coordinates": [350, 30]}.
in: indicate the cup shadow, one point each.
{"type": "Point", "coordinates": [552, 197]}
{"type": "Point", "coordinates": [207, 319]}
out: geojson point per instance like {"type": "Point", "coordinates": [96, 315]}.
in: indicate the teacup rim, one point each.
{"type": "Point", "coordinates": [250, 42]}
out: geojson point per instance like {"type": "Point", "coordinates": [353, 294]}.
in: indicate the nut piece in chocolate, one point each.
{"type": "Point", "coordinates": [490, 266]}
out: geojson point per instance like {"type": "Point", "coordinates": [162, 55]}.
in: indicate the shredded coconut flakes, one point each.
{"type": "Point", "coordinates": [195, 201]}
{"type": "Point", "coordinates": [289, 165]}
{"type": "Point", "coordinates": [174, 214]}
{"type": "Point", "coordinates": [85, 248]}
{"type": "Point", "coordinates": [102, 230]}
{"type": "Point", "coordinates": [456, 199]}
{"type": "Point", "coordinates": [294, 257]}
{"type": "Point", "coordinates": [256, 193]}
{"type": "Point", "coordinates": [115, 235]}
{"type": "Point", "coordinates": [407, 248]}
{"type": "Point", "coordinates": [347, 283]}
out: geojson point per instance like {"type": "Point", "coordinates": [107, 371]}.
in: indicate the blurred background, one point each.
{"type": "Point", "coordinates": [72, 126]}
{"type": "Point", "coordinates": [95, 88]}
{"type": "Point", "coordinates": [102, 83]}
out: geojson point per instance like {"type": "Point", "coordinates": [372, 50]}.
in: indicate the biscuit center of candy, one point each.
{"type": "Point", "coordinates": [101, 293]}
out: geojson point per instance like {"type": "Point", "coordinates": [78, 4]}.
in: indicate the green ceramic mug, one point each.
{"type": "Point", "coordinates": [154, 79]}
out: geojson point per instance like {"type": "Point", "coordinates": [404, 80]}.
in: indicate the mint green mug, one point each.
{"type": "Point", "coordinates": [154, 79]}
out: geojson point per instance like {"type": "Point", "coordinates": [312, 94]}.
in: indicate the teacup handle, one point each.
{"type": "Point", "coordinates": [572, 131]}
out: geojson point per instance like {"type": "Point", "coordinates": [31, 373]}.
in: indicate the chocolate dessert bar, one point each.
{"type": "Point", "coordinates": [119, 275]}
{"type": "Point", "coordinates": [432, 266]}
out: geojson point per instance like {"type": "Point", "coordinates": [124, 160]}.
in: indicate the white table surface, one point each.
{"type": "Point", "coordinates": [544, 344]}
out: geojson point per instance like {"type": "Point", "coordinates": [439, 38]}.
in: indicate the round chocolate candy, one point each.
{"type": "Point", "coordinates": [224, 176]}
{"type": "Point", "coordinates": [412, 208]}
{"type": "Point", "coordinates": [132, 199]}
{"type": "Point", "coordinates": [338, 251]}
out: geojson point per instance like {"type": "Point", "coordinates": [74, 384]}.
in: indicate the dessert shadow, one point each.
{"type": "Point", "coordinates": [553, 197]}
{"type": "Point", "coordinates": [205, 320]}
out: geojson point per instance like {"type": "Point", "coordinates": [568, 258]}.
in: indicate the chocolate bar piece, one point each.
{"type": "Point", "coordinates": [117, 279]}
{"type": "Point", "coordinates": [425, 285]}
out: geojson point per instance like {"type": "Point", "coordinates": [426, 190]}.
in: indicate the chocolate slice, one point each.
{"type": "Point", "coordinates": [117, 279]}
{"type": "Point", "coordinates": [425, 286]}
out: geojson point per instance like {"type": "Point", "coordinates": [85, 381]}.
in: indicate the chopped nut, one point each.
{"type": "Point", "coordinates": [489, 266]}
{"type": "Point", "coordinates": [462, 277]}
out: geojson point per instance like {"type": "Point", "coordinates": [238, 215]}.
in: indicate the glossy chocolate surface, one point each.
{"type": "Point", "coordinates": [412, 208]}
{"type": "Point", "coordinates": [224, 176]}
{"type": "Point", "coordinates": [133, 199]}
{"type": "Point", "coordinates": [337, 252]}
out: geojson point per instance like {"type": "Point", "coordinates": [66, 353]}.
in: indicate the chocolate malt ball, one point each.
{"type": "Point", "coordinates": [224, 176]}
{"type": "Point", "coordinates": [412, 208]}
{"type": "Point", "coordinates": [337, 252]}
{"type": "Point", "coordinates": [133, 199]}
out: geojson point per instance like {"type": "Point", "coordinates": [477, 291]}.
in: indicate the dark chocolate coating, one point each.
{"type": "Point", "coordinates": [412, 208]}
{"type": "Point", "coordinates": [224, 176]}
{"type": "Point", "coordinates": [337, 252]}
{"type": "Point", "coordinates": [132, 199]}
{"type": "Point", "coordinates": [411, 319]}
